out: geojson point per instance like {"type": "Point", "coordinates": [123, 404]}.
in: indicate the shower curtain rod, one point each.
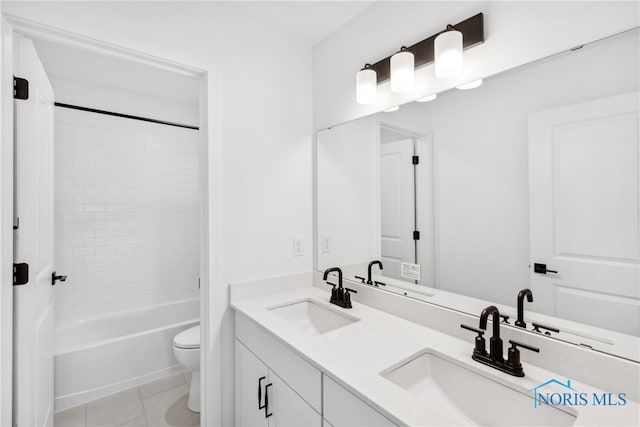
{"type": "Point", "coordinates": [126, 116]}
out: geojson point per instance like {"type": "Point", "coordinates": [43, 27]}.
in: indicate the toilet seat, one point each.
{"type": "Point", "coordinates": [188, 339]}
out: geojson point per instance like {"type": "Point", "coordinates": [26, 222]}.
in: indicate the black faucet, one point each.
{"type": "Point", "coordinates": [495, 358]}
{"type": "Point", "coordinates": [495, 343]}
{"type": "Point", "coordinates": [371, 264]}
{"type": "Point", "coordinates": [523, 293]}
{"type": "Point", "coordinates": [339, 296]}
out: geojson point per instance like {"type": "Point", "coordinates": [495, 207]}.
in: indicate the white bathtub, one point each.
{"type": "Point", "coordinates": [102, 356]}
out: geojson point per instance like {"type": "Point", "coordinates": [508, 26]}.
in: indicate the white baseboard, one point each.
{"type": "Point", "coordinates": [76, 399]}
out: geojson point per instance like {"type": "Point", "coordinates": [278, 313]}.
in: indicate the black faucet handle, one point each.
{"type": "Point", "coordinates": [472, 329]}
{"type": "Point", "coordinates": [480, 348]}
{"type": "Point", "coordinates": [548, 329]}
{"type": "Point", "coordinates": [362, 279]}
{"type": "Point", "coordinates": [513, 360]}
{"type": "Point", "coordinates": [331, 284]}
{"type": "Point", "coordinates": [505, 318]}
{"type": "Point", "coordinates": [375, 282]}
{"type": "Point", "coordinates": [351, 290]}
{"type": "Point", "coordinates": [515, 344]}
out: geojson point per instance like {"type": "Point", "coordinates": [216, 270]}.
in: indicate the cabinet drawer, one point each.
{"type": "Point", "coordinates": [343, 408]}
{"type": "Point", "coordinates": [300, 375]}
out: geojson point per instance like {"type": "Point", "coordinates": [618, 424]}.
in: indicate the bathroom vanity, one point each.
{"type": "Point", "coordinates": [517, 199]}
{"type": "Point", "coordinates": [303, 361]}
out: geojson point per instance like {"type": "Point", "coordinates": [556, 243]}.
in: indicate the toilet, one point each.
{"type": "Point", "coordinates": [186, 347]}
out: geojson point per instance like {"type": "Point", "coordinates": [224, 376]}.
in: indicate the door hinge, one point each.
{"type": "Point", "coordinates": [20, 88]}
{"type": "Point", "coordinates": [20, 274]}
{"type": "Point", "coordinates": [415, 160]}
{"type": "Point", "coordinates": [416, 235]}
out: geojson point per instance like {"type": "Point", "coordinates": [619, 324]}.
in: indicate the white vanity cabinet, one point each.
{"type": "Point", "coordinates": [264, 399]}
{"type": "Point", "coordinates": [251, 379]}
{"type": "Point", "coordinates": [293, 387]}
{"type": "Point", "coordinates": [298, 394]}
{"type": "Point", "coordinates": [342, 408]}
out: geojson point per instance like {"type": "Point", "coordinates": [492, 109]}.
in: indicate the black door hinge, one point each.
{"type": "Point", "coordinates": [416, 235]}
{"type": "Point", "coordinates": [20, 88]}
{"type": "Point", "coordinates": [20, 274]}
{"type": "Point", "coordinates": [415, 160]}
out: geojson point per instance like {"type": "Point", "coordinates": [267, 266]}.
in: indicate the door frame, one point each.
{"type": "Point", "coordinates": [424, 201]}
{"type": "Point", "coordinates": [6, 224]}
{"type": "Point", "coordinates": [209, 192]}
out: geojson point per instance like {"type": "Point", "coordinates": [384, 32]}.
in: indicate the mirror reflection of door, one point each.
{"type": "Point", "coordinates": [397, 200]}
{"type": "Point", "coordinates": [584, 202]}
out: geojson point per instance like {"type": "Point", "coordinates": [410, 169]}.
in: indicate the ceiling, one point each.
{"type": "Point", "coordinates": [92, 68]}
{"type": "Point", "coordinates": [308, 21]}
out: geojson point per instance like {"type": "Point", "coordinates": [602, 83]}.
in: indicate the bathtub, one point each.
{"type": "Point", "coordinates": [105, 355]}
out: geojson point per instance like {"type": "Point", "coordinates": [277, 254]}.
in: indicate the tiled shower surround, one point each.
{"type": "Point", "coordinates": [127, 214]}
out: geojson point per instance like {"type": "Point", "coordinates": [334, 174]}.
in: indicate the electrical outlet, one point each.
{"type": "Point", "coordinates": [298, 246]}
{"type": "Point", "coordinates": [325, 244]}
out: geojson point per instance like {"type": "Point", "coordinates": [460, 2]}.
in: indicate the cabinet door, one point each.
{"type": "Point", "coordinates": [287, 407]}
{"type": "Point", "coordinates": [250, 388]}
{"type": "Point", "coordinates": [342, 408]}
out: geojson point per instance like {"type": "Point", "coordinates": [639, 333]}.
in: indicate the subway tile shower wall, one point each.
{"type": "Point", "coordinates": [127, 214]}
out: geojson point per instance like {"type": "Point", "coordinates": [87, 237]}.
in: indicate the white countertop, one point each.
{"type": "Point", "coordinates": [356, 354]}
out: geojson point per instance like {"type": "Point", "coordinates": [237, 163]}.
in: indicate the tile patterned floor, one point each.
{"type": "Point", "coordinates": [159, 403]}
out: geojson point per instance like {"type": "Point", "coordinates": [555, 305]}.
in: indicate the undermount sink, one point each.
{"type": "Point", "coordinates": [311, 317]}
{"type": "Point", "coordinates": [464, 397]}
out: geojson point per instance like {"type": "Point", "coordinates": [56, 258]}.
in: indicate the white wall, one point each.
{"type": "Point", "coordinates": [259, 125]}
{"type": "Point", "coordinates": [516, 32]}
{"type": "Point", "coordinates": [127, 214]}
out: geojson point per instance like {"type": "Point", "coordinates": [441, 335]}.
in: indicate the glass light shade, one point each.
{"type": "Point", "coordinates": [402, 71]}
{"type": "Point", "coordinates": [471, 85]}
{"type": "Point", "coordinates": [448, 53]}
{"type": "Point", "coordinates": [427, 98]}
{"type": "Point", "coordinates": [366, 86]}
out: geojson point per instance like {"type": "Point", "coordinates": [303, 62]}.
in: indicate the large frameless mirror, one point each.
{"type": "Point", "coordinates": [530, 180]}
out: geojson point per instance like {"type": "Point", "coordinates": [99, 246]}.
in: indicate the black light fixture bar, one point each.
{"type": "Point", "coordinates": [472, 30]}
{"type": "Point", "coordinates": [125, 116]}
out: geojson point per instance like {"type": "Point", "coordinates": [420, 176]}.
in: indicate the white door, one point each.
{"type": "Point", "coordinates": [397, 200]}
{"type": "Point", "coordinates": [584, 196]}
{"type": "Point", "coordinates": [34, 198]}
{"type": "Point", "coordinates": [251, 381]}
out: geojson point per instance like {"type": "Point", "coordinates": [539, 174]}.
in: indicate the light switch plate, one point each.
{"type": "Point", "coordinates": [325, 244]}
{"type": "Point", "coordinates": [298, 246]}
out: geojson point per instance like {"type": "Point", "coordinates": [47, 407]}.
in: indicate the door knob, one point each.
{"type": "Point", "coordinates": [542, 269]}
{"type": "Point", "coordinates": [55, 278]}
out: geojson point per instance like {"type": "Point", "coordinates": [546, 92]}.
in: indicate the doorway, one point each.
{"type": "Point", "coordinates": [122, 202]}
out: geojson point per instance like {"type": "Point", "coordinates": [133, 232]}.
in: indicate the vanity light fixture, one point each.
{"type": "Point", "coordinates": [366, 85]}
{"type": "Point", "coordinates": [471, 32]}
{"type": "Point", "coordinates": [402, 71]}
{"type": "Point", "coordinates": [471, 85]}
{"type": "Point", "coordinates": [448, 52]}
{"type": "Point", "coordinates": [427, 98]}
{"type": "Point", "coordinates": [392, 109]}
